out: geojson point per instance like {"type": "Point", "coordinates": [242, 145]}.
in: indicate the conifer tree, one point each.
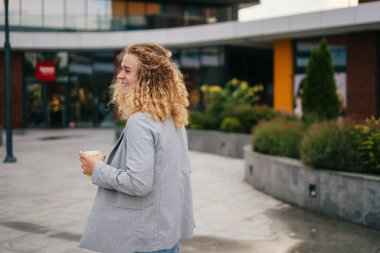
{"type": "Point", "coordinates": [319, 95]}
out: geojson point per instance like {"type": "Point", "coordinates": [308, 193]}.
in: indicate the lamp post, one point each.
{"type": "Point", "coordinates": [7, 49]}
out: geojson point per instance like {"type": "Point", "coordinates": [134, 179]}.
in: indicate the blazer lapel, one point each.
{"type": "Point", "coordinates": [112, 154]}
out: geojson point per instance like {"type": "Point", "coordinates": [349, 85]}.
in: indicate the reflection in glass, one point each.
{"type": "Point", "coordinates": [135, 15]}
{"type": "Point", "coordinates": [193, 15]}
{"type": "Point", "coordinates": [80, 110]}
{"type": "Point", "coordinates": [212, 66]}
{"type": "Point", "coordinates": [90, 76]}
{"type": "Point", "coordinates": [62, 62]}
{"type": "Point", "coordinates": [56, 105]}
{"type": "Point", "coordinates": [210, 56]}
{"type": "Point", "coordinates": [30, 59]}
{"type": "Point", "coordinates": [99, 14]}
{"type": "Point", "coordinates": [103, 66]}
{"type": "Point", "coordinates": [109, 14]}
{"type": "Point", "coordinates": [35, 105]}
{"type": "Point", "coordinates": [54, 14]}
{"type": "Point", "coordinates": [190, 58]}
{"type": "Point", "coordinates": [190, 63]}
{"type": "Point", "coordinates": [337, 51]}
{"type": "Point", "coordinates": [13, 12]}
{"type": "Point", "coordinates": [31, 13]}
{"type": "Point", "coordinates": [174, 14]}
{"type": "Point", "coordinates": [81, 95]}
{"type": "Point", "coordinates": [75, 14]}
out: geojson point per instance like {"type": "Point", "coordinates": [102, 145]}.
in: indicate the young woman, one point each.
{"type": "Point", "coordinates": [144, 199]}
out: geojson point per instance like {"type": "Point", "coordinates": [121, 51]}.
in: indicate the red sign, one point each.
{"type": "Point", "coordinates": [45, 71]}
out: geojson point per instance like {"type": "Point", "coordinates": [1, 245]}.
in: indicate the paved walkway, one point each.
{"type": "Point", "coordinates": [45, 200]}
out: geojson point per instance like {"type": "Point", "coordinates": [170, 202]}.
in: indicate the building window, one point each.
{"type": "Point", "coordinates": [337, 48]}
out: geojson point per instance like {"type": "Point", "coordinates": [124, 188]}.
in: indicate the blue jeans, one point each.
{"type": "Point", "coordinates": [175, 249]}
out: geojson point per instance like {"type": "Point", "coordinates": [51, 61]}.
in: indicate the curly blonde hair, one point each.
{"type": "Point", "coordinates": [159, 90]}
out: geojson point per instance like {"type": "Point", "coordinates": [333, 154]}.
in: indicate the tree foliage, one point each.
{"type": "Point", "coordinates": [319, 95]}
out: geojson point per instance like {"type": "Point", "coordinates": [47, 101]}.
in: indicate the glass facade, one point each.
{"type": "Point", "coordinates": [110, 15]}
{"type": "Point", "coordinates": [78, 95]}
{"type": "Point", "coordinates": [337, 51]}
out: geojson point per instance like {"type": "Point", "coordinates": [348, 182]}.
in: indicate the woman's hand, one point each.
{"type": "Point", "coordinates": [88, 161]}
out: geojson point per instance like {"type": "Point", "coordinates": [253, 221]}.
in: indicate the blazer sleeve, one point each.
{"type": "Point", "coordinates": [137, 180]}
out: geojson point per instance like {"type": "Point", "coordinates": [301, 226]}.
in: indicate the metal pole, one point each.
{"type": "Point", "coordinates": [7, 48]}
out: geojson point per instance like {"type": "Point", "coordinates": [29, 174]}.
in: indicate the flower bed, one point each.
{"type": "Point", "coordinates": [349, 196]}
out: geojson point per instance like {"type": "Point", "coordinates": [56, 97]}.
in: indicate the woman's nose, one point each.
{"type": "Point", "coordinates": [120, 75]}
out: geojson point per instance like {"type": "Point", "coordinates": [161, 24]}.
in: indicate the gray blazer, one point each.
{"type": "Point", "coordinates": [144, 199]}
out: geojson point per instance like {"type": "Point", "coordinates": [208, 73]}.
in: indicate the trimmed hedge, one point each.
{"type": "Point", "coordinates": [332, 146]}
{"type": "Point", "coordinates": [329, 145]}
{"type": "Point", "coordinates": [201, 120]}
{"type": "Point", "coordinates": [280, 138]}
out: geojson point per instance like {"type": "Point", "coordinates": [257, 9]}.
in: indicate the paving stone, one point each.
{"type": "Point", "coordinates": [45, 201]}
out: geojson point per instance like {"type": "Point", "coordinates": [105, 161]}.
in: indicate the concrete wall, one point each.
{"type": "Point", "coordinates": [226, 144]}
{"type": "Point", "coordinates": [348, 196]}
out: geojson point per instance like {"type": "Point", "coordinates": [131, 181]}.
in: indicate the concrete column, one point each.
{"type": "Point", "coordinates": [283, 75]}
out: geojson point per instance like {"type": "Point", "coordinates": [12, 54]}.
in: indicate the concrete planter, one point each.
{"type": "Point", "coordinates": [226, 144]}
{"type": "Point", "coordinates": [348, 196]}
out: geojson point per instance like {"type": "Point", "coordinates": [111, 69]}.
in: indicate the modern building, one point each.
{"type": "Point", "coordinates": [63, 52]}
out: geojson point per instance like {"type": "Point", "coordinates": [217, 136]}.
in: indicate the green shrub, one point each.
{"type": "Point", "coordinates": [250, 116]}
{"type": "Point", "coordinates": [368, 135]}
{"type": "Point", "coordinates": [278, 138]}
{"type": "Point", "coordinates": [222, 102]}
{"type": "Point", "coordinates": [245, 114]}
{"type": "Point", "coordinates": [216, 106]}
{"type": "Point", "coordinates": [287, 117]}
{"type": "Point", "coordinates": [121, 122]}
{"type": "Point", "coordinates": [231, 125]}
{"type": "Point", "coordinates": [332, 146]}
{"type": "Point", "coordinates": [201, 120]}
{"type": "Point", "coordinates": [319, 96]}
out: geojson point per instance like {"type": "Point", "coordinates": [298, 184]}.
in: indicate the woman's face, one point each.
{"type": "Point", "coordinates": [127, 74]}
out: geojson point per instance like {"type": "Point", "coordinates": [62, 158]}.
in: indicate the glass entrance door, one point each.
{"type": "Point", "coordinates": [55, 93]}
{"type": "Point", "coordinates": [45, 105]}
{"type": "Point", "coordinates": [35, 105]}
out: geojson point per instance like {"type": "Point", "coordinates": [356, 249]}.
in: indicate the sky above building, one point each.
{"type": "Point", "coordinates": [277, 8]}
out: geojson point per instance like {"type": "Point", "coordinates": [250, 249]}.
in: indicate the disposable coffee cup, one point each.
{"type": "Point", "coordinates": [92, 152]}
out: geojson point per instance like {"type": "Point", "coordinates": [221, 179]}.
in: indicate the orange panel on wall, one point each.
{"type": "Point", "coordinates": [136, 8]}
{"type": "Point", "coordinates": [153, 8]}
{"type": "Point", "coordinates": [283, 75]}
{"type": "Point", "coordinates": [119, 8]}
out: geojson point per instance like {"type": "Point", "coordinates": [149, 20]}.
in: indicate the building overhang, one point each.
{"type": "Point", "coordinates": [259, 32]}
{"type": "Point", "coordinates": [205, 2]}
